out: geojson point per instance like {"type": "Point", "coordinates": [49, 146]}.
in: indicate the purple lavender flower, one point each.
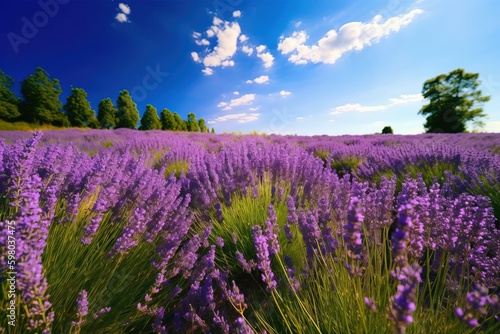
{"type": "Point", "coordinates": [370, 303]}
{"type": "Point", "coordinates": [83, 308]}
{"type": "Point", "coordinates": [263, 261]}
{"type": "Point", "coordinates": [271, 231]}
{"type": "Point", "coordinates": [101, 312]}
{"type": "Point", "coordinates": [292, 215]}
{"type": "Point", "coordinates": [400, 236]}
{"type": "Point", "coordinates": [248, 266]}
{"type": "Point", "coordinates": [288, 233]}
{"type": "Point", "coordinates": [242, 327]}
{"type": "Point", "coordinates": [403, 303]}
{"type": "Point", "coordinates": [477, 301]}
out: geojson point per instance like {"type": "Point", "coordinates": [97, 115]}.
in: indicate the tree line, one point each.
{"type": "Point", "coordinates": [40, 104]}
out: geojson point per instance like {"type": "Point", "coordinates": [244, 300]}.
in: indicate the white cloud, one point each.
{"type": "Point", "coordinates": [210, 33]}
{"type": "Point", "coordinates": [243, 38]}
{"type": "Point", "coordinates": [249, 81]}
{"type": "Point", "coordinates": [237, 13]}
{"type": "Point", "coordinates": [247, 50]}
{"type": "Point", "coordinates": [236, 93]}
{"type": "Point", "coordinates": [208, 71]}
{"type": "Point", "coordinates": [195, 57]}
{"type": "Point", "coordinates": [351, 36]}
{"type": "Point", "coordinates": [493, 126]}
{"type": "Point", "coordinates": [260, 48]}
{"type": "Point", "coordinates": [254, 108]}
{"type": "Point", "coordinates": [262, 79]}
{"type": "Point", "coordinates": [202, 42]}
{"type": "Point", "coordinates": [299, 117]}
{"type": "Point", "coordinates": [240, 118]}
{"type": "Point", "coordinates": [227, 39]}
{"type": "Point", "coordinates": [298, 24]}
{"type": "Point", "coordinates": [402, 99]}
{"type": "Point", "coordinates": [211, 122]}
{"type": "Point", "coordinates": [124, 8]}
{"type": "Point", "coordinates": [196, 35]}
{"type": "Point", "coordinates": [243, 100]}
{"type": "Point", "coordinates": [120, 17]}
{"type": "Point", "coordinates": [285, 93]}
{"type": "Point", "coordinates": [226, 63]}
{"type": "Point", "coordinates": [267, 58]}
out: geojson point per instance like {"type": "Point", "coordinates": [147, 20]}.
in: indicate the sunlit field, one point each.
{"type": "Point", "coordinates": [153, 232]}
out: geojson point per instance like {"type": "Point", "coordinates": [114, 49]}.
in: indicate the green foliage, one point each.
{"type": "Point", "coordinates": [168, 121]}
{"type": "Point", "coordinates": [128, 115]}
{"type": "Point", "coordinates": [41, 102]}
{"type": "Point", "coordinates": [9, 102]}
{"type": "Point", "coordinates": [180, 124]}
{"type": "Point", "coordinates": [178, 168]}
{"type": "Point", "coordinates": [150, 119]}
{"type": "Point", "coordinates": [452, 99]}
{"type": "Point", "coordinates": [213, 131]}
{"type": "Point", "coordinates": [107, 114]}
{"type": "Point", "coordinates": [387, 130]}
{"type": "Point", "coordinates": [202, 125]}
{"type": "Point", "coordinates": [192, 123]}
{"type": "Point", "coordinates": [78, 109]}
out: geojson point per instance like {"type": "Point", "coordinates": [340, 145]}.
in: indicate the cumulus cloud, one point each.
{"type": "Point", "coordinates": [237, 13]}
{"type": "Point", "coordinates": [351, 36]}
{"type": "Point", "coordinates": [240, 101]}
{"type": "Point", "coordinates": [202, 42]}
{"type": "Point", "coordinates": [243, 38]}
{"type": "Point", "coordinates": [262, 79]}
{"type": "Point", "coordinates": [195, 57]}
{"type": "Point", "coordinates": [254, 108]}
{"type": "Point", "coordinates": [240, 118]}
{"type": "Point", "coordinates": [247, 50]}
{"type": "Point", "coordinates": [208, 71]}
{"type": "Point", "coordinates": [266, 57]}
{"type": "Point", "coordinates": [124, 12]}
{"type": "Point", "coordinates": [196, 35]}
{"type": "Point", "coordinates": [285, 93]}
{"type": "Point", "coordinates": [236, 93]}
{"type": "Point", "coordinates": [124, 8]}
{"type": "Point", "coordinates": [356, 107]}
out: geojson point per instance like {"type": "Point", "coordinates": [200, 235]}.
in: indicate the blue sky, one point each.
{"type": "Point", "coordinates": [291, 67]}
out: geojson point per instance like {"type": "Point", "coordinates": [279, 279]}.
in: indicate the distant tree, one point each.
{"type": "Point", "coordinates": [107, 114]}
{"type": "Point", "coordinates": [202, 125]}
{"type": "Point", "coordinates": [41, 102]}
{"type": "Point", "coordinates": [9, 102]}
{"type": "Point", "coordinates": [452, 98]}
{"type": "Point", "coordinates": [128, 115]}
{"type": "Point", "coordinates": [150, 119]}
{"type": "Point", "coordinates": [192, 123]}
{"type": "Point", "coordinates": [213, 131]}
{"type": "Point", "coordinates": [78, 109]}
{"type": "Point", "coordinates": [387, 130]}
{"type": "Point", "coordinates": [180, 124]}
{"type": "Point", "coordinates": [167, 120]}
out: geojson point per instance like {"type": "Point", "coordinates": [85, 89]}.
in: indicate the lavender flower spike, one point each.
{"type": "Point", "coordinates": [263, 261]}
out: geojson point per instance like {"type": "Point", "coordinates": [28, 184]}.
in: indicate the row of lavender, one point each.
{"type": "Point", "coordinates": [48, 183]}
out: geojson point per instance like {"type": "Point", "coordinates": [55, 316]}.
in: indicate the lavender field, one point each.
{"type": "Point", "coordinates": [129, 231]}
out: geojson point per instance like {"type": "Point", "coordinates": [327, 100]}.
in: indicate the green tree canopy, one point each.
{"type": "Point", "coordinates": [192, 123]}
{"type": "Point", "coordinates": [167, 120]}
{"type": "Point", "coordinates": [453, 100]}
{"type": "Point", "coordinates": [387, 130]}
{"type": "Point", "coordinates": [107, 114]}
{"type": "Point", "coordinates": [128, 115]}
{"type": "Point", "coordinates": [9, 102]}
{"type": "Point", "coordinates": [41, 102]}
{"type": "Point", "coordinates": [150, 119]}
{"type": "Point", "coordinates": [213, 131]}
{"type": "Point", "coordinates": [202, 125]}
{"type": "Point", "coordinates": [78, 109]}
{"type": "Point", "coordinates": [180, 124]}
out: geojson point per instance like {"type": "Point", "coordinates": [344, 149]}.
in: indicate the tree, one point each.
{"type": "Point", "coordinates": [9, 102]}
{"type": "Point", "coordinates": [150, 119]}
{"type": "Point", "coordinates": [78, 109]}
{"type": "Point", "coordinates": [128, 115]}
{"type": "Point", "coordinates": [192, 123]}
{"type": "Point", "coordinates": [202, 125]}
{"type": "Point", "coordinates": [107, 114]}
{"type": "Point", "coordinates": [180, 124]}
{"type": "Point", "coordinates": [451, 102]}
{"type": "Point", "coordinates": [41, 102]}
{"type": "Point", "coordinates": [387, 130]}
{"type": "Point", "coordinates": [213, 131]}
{"type": "Point", "coordinates": [167, 120]}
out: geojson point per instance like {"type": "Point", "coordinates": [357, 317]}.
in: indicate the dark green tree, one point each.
{"type": "Point", "coordinates": [107, 114]}
{"type": "Point", "coordinates": [167, 120]}
{"type": "Point", "coordinates": [150, 119]}
{"type": "Point", "coordinates": [202, 125]}
{"type": "Point", "coordinates": [213, 131]}
{"type": "Point", "coordinates": [78, 109]}
{"type": "Point", "coordinates": [454, 100]}
{"type": "Point", "coordinates": [387, 130]}
{"type": "Point", "coordinates": [192, 123]}
{"type": "Point", "coordinates": [180, 124]}
{"type": "Point", "coordinates": [41, 102]}
{"type": "Point", "coordinates": [128, 115]}
{"type": "Point", "coordinates": [9, 102]}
